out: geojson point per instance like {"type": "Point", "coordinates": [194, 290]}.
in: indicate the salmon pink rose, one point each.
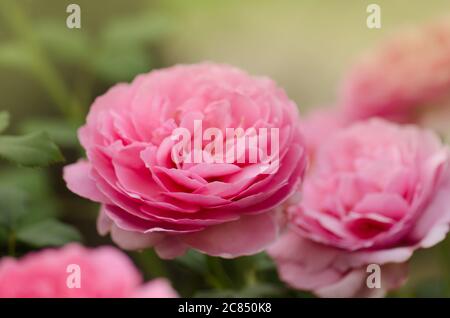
{"type": "Point", "coordinates": [404, 79]}
{"type": "Point", "coordinates": [376, 193]}
{"type": "Point", "coordinates": [103, 272]}
{"type": "Point", "coordinates": [150, 198]}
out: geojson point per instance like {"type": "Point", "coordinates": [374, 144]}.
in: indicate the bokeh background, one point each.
{"type": "Point", "coordinates": [49, 76]}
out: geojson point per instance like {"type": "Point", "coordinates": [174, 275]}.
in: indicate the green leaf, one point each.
{"type": "Point", "coordinates": [12, 206]}
{"type": "Point", "coordinates": [193, 260]}
{"type": "Point", "coordinates": [30, 150]}
{"type": "Point", "coordinates": [48, 233]}
{"type": "Point", "coordinates": [4, 121]}
{"type": "Point", "coordinates": [39, 198]}
{"type": "Point", "coordinates": [63, 133]}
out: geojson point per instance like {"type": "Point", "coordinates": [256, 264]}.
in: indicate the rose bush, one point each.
{"type": "Point", "coordinates": [377, 192]}
{"type": "Point", "coordinates": [223, 209]}
{"type": "Point", "coordinates": [104, 272]}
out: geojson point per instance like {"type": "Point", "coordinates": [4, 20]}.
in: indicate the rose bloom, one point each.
{"type": "Point", "coordinates": [148, 199]}
{"type": "Point", "coordinates": [103, 272]}
{"type": "Point", "coordinates": [319, 125]}
{"type": "Point", "coordinates": [376, 193]}
{"type": "Point", "coordinates": [404, 78]}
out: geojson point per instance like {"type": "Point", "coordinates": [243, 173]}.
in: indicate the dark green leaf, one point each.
{"type": "Point", "coordinates": [40, 200]}
{"type": "Point", "coordinates": [30, 150]}
{"type": "Point", "coordinates": [12, 206]}
{"type": "Point", "coordinates": [194, 261]}
{"type": "Point", "coordinates": [63, 133]}
{"type": "Point", "coordinates": [48, 233]}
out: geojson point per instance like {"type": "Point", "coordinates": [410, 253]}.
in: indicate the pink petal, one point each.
{"type": "Point", "coordinates": [387, 204]}
{"type": "Point", "coordinates": [354, 284]}
{"type": "Point", "coordinates": [304, 264]}
{"type": "Point", "coordinates": [170, 247]}
{"type": "Point", "coordinates": [157, 288]}
{"type": "Point", "coordinates": [246, 236]}
{"type": "Point", "coordinates": [129, 240]}
{"type": "Point", "coordinates": [104, 223]}
{"type": "Point", "coordinates": [78, 181]}
{"type": "Point", "coordinates": [207, 170]}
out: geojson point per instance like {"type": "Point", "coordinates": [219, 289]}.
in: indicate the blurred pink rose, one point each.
{"type": "Point", "coordinates": [405, 76]}
{"type": "Point", "coordinates": [148, 199]}
{"type": "Point", "coordinates": [319, 125]}
{"type": "Point", "coordinates": [104, 272]}
{"type": "Point", "coordinates": [376, 193]}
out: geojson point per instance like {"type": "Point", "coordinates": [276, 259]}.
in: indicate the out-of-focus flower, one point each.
{"type": "Point", "coordinates": [102, 272]}
{"type": "Point", "coordinates": [376, 193]}
{"type": "Point", "coordinates": [405, 77]}
{"type": "Point", "coordinates": [149, 199]}
{"type": "Point", "coordinates": [319, 125]}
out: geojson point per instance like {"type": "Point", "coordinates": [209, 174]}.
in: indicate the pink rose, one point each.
{"type": "Point", "coordinates": [103, 272]}
{"type": "Point", "coordinates": [376, 193]}
{"type": "Point", "coordinates": [319, 125]}
{"type": "Point", "coordinates": [150, 198]}
{"type": "Point", "coordinates": [404, 77]}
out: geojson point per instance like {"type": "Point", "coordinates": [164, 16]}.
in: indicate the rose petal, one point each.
{"type": "Point", "coordinates": [246, 236]}
{"type": "Point", "coordinates": [78, 181]}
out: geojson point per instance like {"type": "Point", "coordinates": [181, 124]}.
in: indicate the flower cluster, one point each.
{"type": "Point", "coordinates": [376, 193]}
{"type": "Point", "coordinates": [375, 189]}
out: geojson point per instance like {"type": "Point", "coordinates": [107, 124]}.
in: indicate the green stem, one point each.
{"type": "Point", "coordinates": [218, 276]}
{"type": "Point", "coordinates": [214, 282]}
{"type": "Point", "coordinates": [151, 263]}
{"type": "Point", "coordinates": [250, 277]}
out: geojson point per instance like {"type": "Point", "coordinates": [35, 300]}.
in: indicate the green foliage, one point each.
{"type": "Point", "coordinates": [32, 150]}
{"type": "Point", "coordinates": [63, 44]}
{"type": "Point", "coordinates": [48, 233]}
{"type": "Point", "coordinates": [61, 132]}
{"type": "Point", "coordinates": [28, 210]}
{"type": "Point", "coordinates": [33, 192]}
{"type": "Point", "coordinates": [12, 207]}
{"type": "Point", "coordinates": [117, 53]}
{"type": "Point", "coordinates": [194, 261]}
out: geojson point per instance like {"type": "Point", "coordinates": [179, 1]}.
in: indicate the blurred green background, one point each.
{"type": "Point", "coordinates": [49, 75]}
